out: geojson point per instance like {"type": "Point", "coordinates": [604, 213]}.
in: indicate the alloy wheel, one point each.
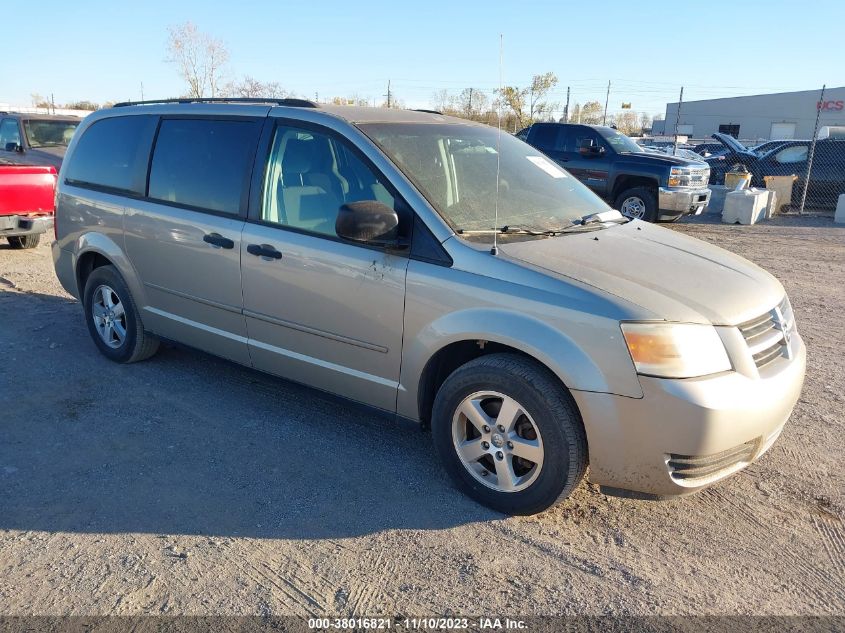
{"type": "Point", "coordinates": [497, 441]}
{"type": "Point", "coordinates": [109, 316]}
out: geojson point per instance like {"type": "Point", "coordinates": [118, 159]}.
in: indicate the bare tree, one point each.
{"type": "Point", "coordinates": [628, 123]}
{"type": "Point", "coordinates": [472, 103]}
{"type": "Point", "coordinates": [38, 101]}
{"type": "Point", "coordinates": [200, 59]}
{"type": "Point", "coordinates": [645, 121]}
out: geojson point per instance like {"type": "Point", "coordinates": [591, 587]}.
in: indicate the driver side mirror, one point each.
{"type": "Point", "coordinates": [589, 148]}
{"type": "Point", "coordinates": [14, 147]}
{"type": "Point", "coordinates": [368, 222]}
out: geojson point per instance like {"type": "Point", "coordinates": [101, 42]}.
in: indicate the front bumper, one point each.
{"type": "Point", "coordinates": [684, 435]}
{"type": "Point", "coordinates": [13, 225]}
{"type": "Point", "coordinates": [675, 202]}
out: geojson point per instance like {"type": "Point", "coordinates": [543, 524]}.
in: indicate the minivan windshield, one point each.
{"type": "Point", "coordinates": [619, 141]}
{"type": "Point", "coordinates": [454, 166]}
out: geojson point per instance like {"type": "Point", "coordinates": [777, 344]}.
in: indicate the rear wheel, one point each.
{"type": "Point", "coordinates": [24, 241]}
{"type": "Point", "coordinates": [639, 203]}
{"type": "Point", "coordinates": [509, 434]}
{"type": "Point", "coordinates": [113, 319]}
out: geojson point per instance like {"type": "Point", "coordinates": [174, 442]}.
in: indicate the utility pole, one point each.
{"type": "Point", "coordinates": [53, 103]}
{"type": "Point", "coordinates": [470, 101]}
{"type": "Point", "coordinates": [677, 122]}
{"type": "Point", "coordinates": [388, 95]}
{"type": "Point", "coordinates": [316, 97]}
{"type": "Point", "coordinates": [606, 99]}
{"type": "Point", "coordinates": [142, 91]}
{"type": "Point", "coordinates": [566, 109]}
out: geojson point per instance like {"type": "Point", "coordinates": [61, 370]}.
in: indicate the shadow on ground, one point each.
{"type": "Point", "coordinates": [188, 444]}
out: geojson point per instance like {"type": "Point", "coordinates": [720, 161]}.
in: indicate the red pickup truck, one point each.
{"type": "Point", "coordinates": [27, 203]}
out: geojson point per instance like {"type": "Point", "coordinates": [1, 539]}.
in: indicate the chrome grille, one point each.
{"type": "Point", "coordinates": [699, 176]}
{"type": "Point", "coordinates": [691, 468]}
{"type": "Point", "coordinates": [767, 335]}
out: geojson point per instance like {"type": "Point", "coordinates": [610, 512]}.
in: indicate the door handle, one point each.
{"type": "Point", "coordinates": [263, 250]}
{"type": "Point", "coordinates": [215, 239]}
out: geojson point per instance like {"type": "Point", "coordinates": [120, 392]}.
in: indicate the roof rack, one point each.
{"type": "Point", "coordinates": [296, 103]}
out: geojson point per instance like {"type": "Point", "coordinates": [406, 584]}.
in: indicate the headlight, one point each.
{"type": "Point", "coordinates": [679, 177]}
{"type": "Point", "coordinates": [675, 350]}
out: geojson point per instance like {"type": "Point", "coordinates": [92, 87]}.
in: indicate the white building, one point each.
{"type": "Point", "coordinates": [781, 115]}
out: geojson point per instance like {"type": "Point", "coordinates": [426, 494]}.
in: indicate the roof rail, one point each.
{"type": "Point", "coordinates": [296, 103]}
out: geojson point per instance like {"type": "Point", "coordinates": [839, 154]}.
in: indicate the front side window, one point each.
{"type": "Point", "coordinates": [49, 133]}
{"type": "Point", "coordinates": [618, 141]}
{"type": "Point", "coordinates": [113, 153]}
{"type": "Point", "coordinates": [795, 154]}
{"type": "Point", "coordinates": [9, 133]}
{"type": "Point", "coordinates": [203, 163]}
{"type": "Point", "coordinates": [454, 166]}
{"type": "Point", "coordinates": [310, 176]}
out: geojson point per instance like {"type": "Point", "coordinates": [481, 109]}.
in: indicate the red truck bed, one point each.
{"type": "Point", "coordinates": [27, 189]}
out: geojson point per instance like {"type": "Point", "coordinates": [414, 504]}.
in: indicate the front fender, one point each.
{"type": "Point", "coordinates": [549, 345]}
{"type": "Point", "coordinates": [92, 242]}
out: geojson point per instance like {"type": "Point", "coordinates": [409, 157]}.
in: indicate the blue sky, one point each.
{"type": "Point", "coordinates": [103, 50]}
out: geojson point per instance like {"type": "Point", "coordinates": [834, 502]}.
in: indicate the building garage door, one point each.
{"type": "Point", "coordinates": [781, 131]}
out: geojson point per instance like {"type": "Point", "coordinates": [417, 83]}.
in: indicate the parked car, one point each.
{"type": "Point", "coordinates": [27, 198]}
{"type": "Point", "coordinates": [709, 149]}
{"type": "Point", "coordinates": [827, 180]}
{"type": "Point", "coordinates": [35, 139]}
{"type": "Point", "coordinates": [641, 184]}
{"type": "Point", "coordinates": [366, 252]}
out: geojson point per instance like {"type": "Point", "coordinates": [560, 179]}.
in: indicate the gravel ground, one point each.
{"type": "Point", "coordinates": [189, 485]}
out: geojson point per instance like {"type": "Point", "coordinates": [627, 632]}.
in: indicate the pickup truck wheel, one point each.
{"type": "Point", "coordinates": [24, 241]}
{"type": "Point", "coordinates": [113, 319]}
{"type": "Point", "coordinates": [509, 434]}
{"type": "Point", "coordinates": [639, 203]}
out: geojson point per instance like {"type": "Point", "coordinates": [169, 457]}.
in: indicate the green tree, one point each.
{"type": "Point", "coordinates": [529, 104]}
{"type": "Point", "coordinates": [592, 113]}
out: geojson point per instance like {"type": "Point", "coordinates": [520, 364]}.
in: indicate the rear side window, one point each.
{"type": "Point", "coordinates": [545, 136]}
{"type": "Point", "coordinates": [9, 133]}
{"type": "Point", "coordinates": [113, 154]}
{"type": "Point", "coordinates": [204, 163]}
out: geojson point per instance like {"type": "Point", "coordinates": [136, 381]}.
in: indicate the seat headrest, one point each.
{"type": "Point", "coordinates": [298, 157]}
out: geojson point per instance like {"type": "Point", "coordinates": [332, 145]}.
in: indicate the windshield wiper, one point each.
{"type": "Point", "coordinates": [509, 230]}
{"type": "Point", "coordinates": [589, 222]}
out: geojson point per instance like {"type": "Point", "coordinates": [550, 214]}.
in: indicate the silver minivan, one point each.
{"type": "Point", "coordinates": [436, 269]}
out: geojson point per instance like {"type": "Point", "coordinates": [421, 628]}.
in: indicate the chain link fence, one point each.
{"type": "Point", "coordinates": [803, 159]}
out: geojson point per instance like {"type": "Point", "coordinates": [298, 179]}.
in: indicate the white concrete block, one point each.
{"type": "Point", "coordinates": [772, 204]}
{"type": "Point", "coordinates": [746, 207]}
{"type": "Point", "coordinates": [717, 198]}
{"type": "Point", "coordinates": [839, 217]}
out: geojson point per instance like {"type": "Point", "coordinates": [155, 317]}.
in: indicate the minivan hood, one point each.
{"type": "Point", "coordinates": [673, 276]}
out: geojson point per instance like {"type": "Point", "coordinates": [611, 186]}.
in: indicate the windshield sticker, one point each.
{"type": "Point", "coordinates": [547, 166]}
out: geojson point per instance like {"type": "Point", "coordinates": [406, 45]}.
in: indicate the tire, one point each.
{"type": "Point", "coordinates": [24, 241]}
{"type": "Point", "coordinates": [646, 207]}
{"type": "Point", "coordinates": [134, 344]}
{"type": "Point", "coordinates": [546, 411]}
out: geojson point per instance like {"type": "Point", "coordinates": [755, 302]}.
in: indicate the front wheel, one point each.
{"type": "Point", "coordinates": [24, 241]}
{"type": "Point", "coordinates": [639, 203]}
{"type": "Point", "coordinates": [509, 434]}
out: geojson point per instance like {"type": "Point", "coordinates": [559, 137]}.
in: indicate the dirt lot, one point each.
{"type": "Point", "coordinates": [190, 485]}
